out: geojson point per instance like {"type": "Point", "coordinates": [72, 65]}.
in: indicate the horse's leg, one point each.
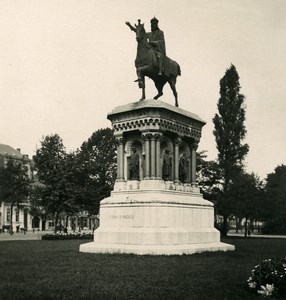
{"type": "Point", "coordinates": [139, 77]}
{"type": "Point", "coordinates": [172, 83]}
{"type": "Point", "coordinates": [143, 89]}
{"type": "Point", "coordinates": [141, 82]}
{"type": "Point", "coordinates": [159, 83]}
{"type": "Point", "coordinates": [141, 72]}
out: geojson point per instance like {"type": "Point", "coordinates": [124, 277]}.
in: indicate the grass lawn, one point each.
{"type": "Point", "coordinates": [57, 270]}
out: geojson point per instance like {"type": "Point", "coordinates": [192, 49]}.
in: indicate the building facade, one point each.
{"type": "Point", "coordinates": [21, 217]}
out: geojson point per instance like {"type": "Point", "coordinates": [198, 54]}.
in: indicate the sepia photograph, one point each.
{"type": "Point", "coordinates": [142, 149]}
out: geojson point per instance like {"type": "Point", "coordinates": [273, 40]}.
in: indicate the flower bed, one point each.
{"type": "Point", "coordinates": [269, 278]}
{"type": "Point", "coordinates": [68, 236]}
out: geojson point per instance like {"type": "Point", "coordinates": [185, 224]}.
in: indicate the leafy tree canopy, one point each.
{"type": "Point", "coordinates": [14, 185]}
{"type": "Point", "coordinates": [275, 189]}
{"type": "Point", "coordinates": [229, 132]}
{"type": "Point", "coordinates": [97, 165]}
{"type": "Point", "coordinates": [54, 168]}
{"type": "Point", "coordinates": [14, 182]}
{"type": "Point", "coordinates": [229, 124]}
{"type": "Point", "coordinates": [245, 195]}
{"type": "Point", "coordinates": [275, 201]}
{"type": "Point", "coordinates": [209, 177]}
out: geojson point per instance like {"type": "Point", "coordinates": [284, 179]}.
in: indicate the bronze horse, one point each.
{"type": "Point", "coordinates": [146, 64]}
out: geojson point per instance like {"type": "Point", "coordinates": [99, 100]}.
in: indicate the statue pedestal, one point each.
{"type": "Point", "coordinates": [151, 215]}
{"type": "Point", "coordinates": [156, 222]}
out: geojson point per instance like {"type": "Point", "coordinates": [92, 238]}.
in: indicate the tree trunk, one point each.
{"type": "Point", "coordinates": [11, 220]}
{"type": "Point", "coordinates": [245, 228]}
{"type": "Point", "coordinates": [225, 223]}
{"type": "Point", "coordinates": [237, 221]}
{"type": "Point", "coordinates": [224, 226]}
{"type": "Point", "coordinates": [56, 221]}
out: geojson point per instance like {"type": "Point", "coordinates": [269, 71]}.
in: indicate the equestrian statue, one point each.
{"type": "Point", "coordinates": [151, 59]}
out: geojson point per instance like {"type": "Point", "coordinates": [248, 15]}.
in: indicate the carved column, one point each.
{"type": "Point", "coordinates": [153, 156]}
{"type": "Point", "coordinates": [189, 162]}
{"type": "Point", "coordinates": [194, 148]}
{"type": "Point", "coordinates": [177, 142]}
{"type": "Point", "coordinates": [158, 158]}
{"type": "Point", "coordinates": [120, 159]}
{"type": "Point", "coordinates": [147, 155]}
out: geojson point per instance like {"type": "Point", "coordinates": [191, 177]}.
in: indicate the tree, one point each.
{"type": "Point", "coordinates": [36, 210]}
{"type": "Point", "coordinates": [275, 195]}
{"type": "Point", "coordinates": [14, 185]}
{"type": "Point", "coordinates": [59, 192]}
{"type": "Point", "coordinates": [209, 179]}
{"type": "Point", "coordinates": [97, 168]}
{"type": "Point", "coordinates": [209, 176]}
{"type": "Point", "coordinates": [245, 197]}
{"type": "Point", "coordinates": [229, 132]}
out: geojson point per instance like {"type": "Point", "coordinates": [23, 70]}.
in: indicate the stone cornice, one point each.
{"type": "Point", "coordinates": [154, 115]}
{"type": "Point", "coordinates": [154, 104]}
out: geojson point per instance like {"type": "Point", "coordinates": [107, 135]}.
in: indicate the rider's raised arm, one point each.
{"type": "Point", "coordinates": [130, 26]}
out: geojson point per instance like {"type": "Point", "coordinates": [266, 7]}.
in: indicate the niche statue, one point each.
{"type": "Point", "coordinates": [183, 168]}
{"type": "Point", "coordinates": [167, 165]}
{"type": "Point", "coordinates": [134, 165]}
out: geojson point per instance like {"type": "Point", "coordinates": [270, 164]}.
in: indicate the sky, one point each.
{"type": "Point", "coordinates": [65, 64]}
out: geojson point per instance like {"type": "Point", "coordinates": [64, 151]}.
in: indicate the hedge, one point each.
{"type": "Point", "coordinates": [68, 236]}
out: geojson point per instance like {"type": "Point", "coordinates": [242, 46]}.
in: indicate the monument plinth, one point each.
{"type": "Point", "coordinates": [156, 207]}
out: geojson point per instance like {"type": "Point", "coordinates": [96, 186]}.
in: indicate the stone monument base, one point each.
{"type": "Point", "coordinates": [156, 222]}
{"type": "Point", "coordinates": [155, 249]}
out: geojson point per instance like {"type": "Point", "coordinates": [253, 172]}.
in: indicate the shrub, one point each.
{"type": "Point", "coordinates": [68, 236]}
{"type": "Point", "coordinates": [269, 278]}
{"type": "Point", "coordinates": [274, 226]}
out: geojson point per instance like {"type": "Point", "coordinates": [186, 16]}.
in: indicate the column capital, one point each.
{"type": "Point", "coordinates": [195, 145]}
{"type": "Point", "coordinates": [177, 140]}
{"type": "Point", "coordinates": [158, 135]}
{"type": "Point", "coordinates": [152, 135]}
{"type": "Point", "coordinates": [119, 140]}
{"type": "Point", "coordinates": [146, 135]}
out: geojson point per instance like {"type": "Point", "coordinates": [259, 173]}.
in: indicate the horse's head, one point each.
{"type": "Point", "coordinates": [140, 31]}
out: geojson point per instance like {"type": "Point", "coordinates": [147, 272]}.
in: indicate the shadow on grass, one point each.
{"type": "Point", "coordinates": [57, 270]}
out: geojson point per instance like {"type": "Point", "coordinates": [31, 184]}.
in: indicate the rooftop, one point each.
{"type": "Point", "coordinates": [8, 150]}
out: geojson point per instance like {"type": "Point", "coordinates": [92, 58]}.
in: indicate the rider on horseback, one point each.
{"type": "Point", "coordinates": [151, 60]}
{"type": "Point", "coordinates": [156, 41]}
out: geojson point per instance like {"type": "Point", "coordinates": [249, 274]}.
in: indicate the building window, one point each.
{"type": "Point", "coordinates": [8, 214]}
{"type": "Point", "coordinates": [17, 215]}
{"type": "Point", "coordinates": [51, 223]}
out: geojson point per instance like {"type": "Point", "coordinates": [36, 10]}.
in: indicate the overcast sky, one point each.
{"type": "Point", "coordinates": [64, 64]}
